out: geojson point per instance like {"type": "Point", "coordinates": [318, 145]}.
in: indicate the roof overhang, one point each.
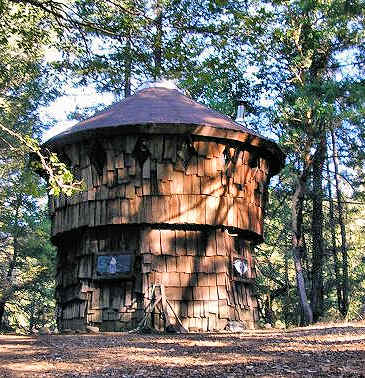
{"type": "Point", "coordinates": [265, 147]}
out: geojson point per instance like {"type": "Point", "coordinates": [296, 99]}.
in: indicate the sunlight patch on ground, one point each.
{"type": "Point", "coordinates": [202, 343]}
{"type": "Point", "coordinates": [187, 358]}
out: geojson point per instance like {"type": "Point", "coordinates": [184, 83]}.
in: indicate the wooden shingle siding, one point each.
{"type": "Point", "coordinates": [193, 265]}
{"type": "Point", "coordinates": [198, 285]}
{"type": "Point", "coordinates": [219, 194]}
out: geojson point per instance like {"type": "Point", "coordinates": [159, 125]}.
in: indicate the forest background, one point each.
{"type": "Point", "coordinates": [298, 65]}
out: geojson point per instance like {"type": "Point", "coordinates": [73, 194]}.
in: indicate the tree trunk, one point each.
{"type": "Point", "coordinates": [128, 68]}
{"type": "Point", "coordinates": [158, 40]}
{"type": "Point", "coordinates": [297, 242]}
{"type": "Point", "coordinates": [301, 287]}
{"type": "Point", "coordinates": [2, 312]}
{"type": "Point", "coordinates": [345, 274]}
{"type": "Point", "coordinates": [333, 239]}
{"type": "Point", "coordinates": [317, 231]}
{"type": "Point", "coordinates": [14, 259]}
{"type": "Point", "coordinates": [287, 286]}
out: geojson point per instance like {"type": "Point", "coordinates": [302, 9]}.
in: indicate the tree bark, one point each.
{"type": "Point", "coordinates": [297, 242]}
{"type": "Point", "coordinates": [14, 259]}
{"type": "Point", "coordinates": [2, 312]}
{"type": "Point", "coordinates": [158, 40]}
{"type": "Point", "coordinates": [345, 274]}
{"type": "Point", "coordinates": [287, 286]}
{"type": "Point", "coordinates": [317, 231]}
{"type": "Point", "coordinates": [333, 240]}
{"type": "Point", "coordinates": [128, 68]}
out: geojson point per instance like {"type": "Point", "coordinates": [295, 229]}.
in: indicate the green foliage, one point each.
{"type": "Point", "coordinates": [26, 255]}
{"type": "Point", "coordinates": [308, 55]}
{"type": "Point", "coordinates": [33, 305]}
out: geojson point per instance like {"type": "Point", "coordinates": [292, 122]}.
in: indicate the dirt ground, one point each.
{"type": "Point", "coordinates": [308, 352]}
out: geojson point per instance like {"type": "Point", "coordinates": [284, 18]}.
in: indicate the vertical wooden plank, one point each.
{"type": "Point", "coordinates": [220, 264]}
{"type": "Point", "coordinates": [130, 191]}
{"type": "Point", "coordinates": [248, 256]}
{"type": "Point", "coordinates": [122, 176]}
{"type": "Point", "coordinates": [205, 185]}
{"type": "Point", "coordinates": [124, 217]}
{"type": "Point", "coordinates": [180, 242]}
{"type": "Point", "coordinates": [191, 243]}
{"type": "Point", "coordinates": [223, 309]}
{"type": "Point", "coordinates": [168, 242]}
{"type": "Point", "coordinates": [187, 182]}
{"type": "Point", "coordinates": [183, 208]}
{"type": "Point", "coordinates": [211, 249]}
{"type": "Point", "coordinates": [155, 209]}
{"type": "Point", "coordinates": [119, 160]}
{"type": "Point", "coordinates": [231, 220]}
{"type": "Point", "coordinates": [195, 185]}
{"type": "Point", "coordinates": [203, 148]}
{"type": "Point", "coordinates": [197, 308]}
{"type": "Point", "coordinates": [203, 279]}
{"type": "Point", "coordinates": [200, 168]}
{"type": "Point", "coordinates": [135, 209]}
{"type": "Point", "coordinates": [190, 309]}
{"type": "Point", "coordinates": [155, 242]}
{"type": "Point", "coordinates": [169, 150]}
{"type": "Point", "coordinates": [213, 293]}
{"type": "Point", "coordinates": [200, 205]}
{"type": "Point", "coordinates": [144, 241]}
{"type": "Point", "coordinates": [128, 293]}
{"type": "Point", "coordinates": [165, 187]}
{"type": "Point", "coordinates": [178, 182]}
{"type": "Point", "coordinates": [209, 168]}
{"type": "Point", "coordinates": [146, 187]}
{"type": "Point", "coordinates": [164, 171]}
{"type": "Point", "coordinates": [171, 267]}
{"type": "Point", "coordinates": [238, 203]}
{"type": "Point", "coordinates": [211, 210]}
{"type": "Point", "coordinates": [192, 168]}
{"type": "Point", "coordinates": [222, 292]}
{"type": "Point", "coordinates": [147, 209]}
{"type": "Point", "coordinates": [146, 171]}
{"type": "Point", "coordinates": [131, 164]}
{"type": "Point", "coordinates": [95, 299]}
{"type": "Point", "coordinates": [221, 246]}
{"type": "Point", "coordinates": [105, 297]}
{"type": "Point", "coordinates": [184, 277]}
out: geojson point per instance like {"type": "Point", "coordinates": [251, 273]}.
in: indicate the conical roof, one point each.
{"type": "Point", "coordinates": [164, 110]}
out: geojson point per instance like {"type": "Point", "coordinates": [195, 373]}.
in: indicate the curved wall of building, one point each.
{"type": "Point", "coordinates": [157, 179]}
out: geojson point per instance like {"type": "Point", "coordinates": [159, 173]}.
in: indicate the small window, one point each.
{"type": "Point", "coordinates": [185, 152]}
{"type": "Point", "coordinates": [97, 156]}
{"type": "Point", "coordinates": [114, 266]}
{"type": "Point", "coordinates": [240, 267]}
{"type": "Point", "coordinates": [254, 161]}
{"type": "Point", "coordinates": [141, 151]}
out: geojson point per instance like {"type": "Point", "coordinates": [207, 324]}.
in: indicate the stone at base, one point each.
{"type": "Point", "coordinates": [44, 331]}
{"type": "Point", "coordinates": [234, 326]}
{"type": "Point", "coordinates": [80, 331]}
{"type": "Point", "coordinates": [175, 329]}
{"type": "Point", "coordinates": [68, 331]}
{"type": "Point", "coordinates": [91, 329]}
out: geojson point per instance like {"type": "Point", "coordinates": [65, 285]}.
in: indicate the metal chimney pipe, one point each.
{"type": "Point", "coordinates": [240, 118]}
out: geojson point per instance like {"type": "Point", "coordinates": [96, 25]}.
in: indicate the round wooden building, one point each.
{"type": "Point", "coordinates": [173, 205]}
